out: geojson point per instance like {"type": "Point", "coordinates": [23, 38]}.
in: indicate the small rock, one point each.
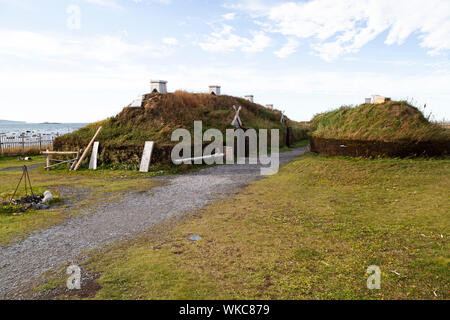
{"type": "Point", "coordinates": [195, 237]}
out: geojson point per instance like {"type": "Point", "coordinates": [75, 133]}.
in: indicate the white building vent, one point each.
{"type": "Point", "coordinates": [137, 103]}
{"type": "Point", "coordinates": [376, 99]}
{"type": "Point", "coordinates": [249, 98]}
{"type": "Point", "coordinates": [269, 106]}
{"type": "Point", "coordinates": [158, 86]}
{"type": "Point", "coordinates": [215, 90]}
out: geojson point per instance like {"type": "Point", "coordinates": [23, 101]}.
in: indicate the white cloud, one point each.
{"type": "Point", "coordinates": [225, 41]}
{"type": "Point", "coordinates": [105, 3]}
{"type": "Point", "coordinates": [229, 16]}
{"type": "Point", "coordinates": [170, 41]}
{"type": "Point", "coordinates": [340, 27]}
{"type": "Point", "coordinates": [93, 49]}
{"type": "Point", "coordinates": [166, 2]}
{"type": "Point", "coordinates": [288, 49]}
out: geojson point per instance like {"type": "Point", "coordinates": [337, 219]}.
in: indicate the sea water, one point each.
{"type": "Point", "coordinates": [35, 130]}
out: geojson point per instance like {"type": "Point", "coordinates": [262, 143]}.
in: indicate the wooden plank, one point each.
{"type": "Point", "coordinates": [59, 163]}
{"type": "Point", "coordinates": [93, 160]}
{"type": "Point", "coordinates": [76, 160]}
{"type": "Point", "coordinates": [87, 149]}
{"type": "Point", "coordinates": [146, 156]}
{"type": "Point", "coordinates": [59, 152]}
{"type": "Point", "coordinates": [47, 162]}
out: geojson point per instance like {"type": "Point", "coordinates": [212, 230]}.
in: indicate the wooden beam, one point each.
{"type": "Point", "coordinates": [48, 161]}
{"type": "Point", "coordinates": [59, 163]}
{"type": "Point", "coordinates": [87, 149]}
{"type": "Point", "coordinates": [76, 160]}
{"type": "Point", "coordinates": [59, 152]}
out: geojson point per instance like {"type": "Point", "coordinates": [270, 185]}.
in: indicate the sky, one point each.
{"type": "Point", "coordinates": [84, 60]}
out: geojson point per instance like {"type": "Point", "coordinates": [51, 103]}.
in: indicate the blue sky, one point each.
{"type": "Point", "coordinates": [84, 60]}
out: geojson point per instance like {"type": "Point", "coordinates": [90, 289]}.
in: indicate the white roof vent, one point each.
{"type": "Point", "coordinates": [215, 90]}
{"type": "Point", "coordinates": [249, 98]}
{"type": "Point", "coordinates": [158, 86]}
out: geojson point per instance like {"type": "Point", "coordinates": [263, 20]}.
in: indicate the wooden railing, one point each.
{"type": "Point", "coordinates": [23, 143]}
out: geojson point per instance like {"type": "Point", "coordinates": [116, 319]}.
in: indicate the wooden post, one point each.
{"type": "Point", "coordinates": [75, 160]}
{"type": "Point", "coordinates": [48, 161]}
{"type": "Point", "coordinates": [1, 144]}
{"type": "Point", "coordinates": [23, 144]}
{"type": "Point", "coordinates": [87, 149]}
{"type": "Point", "coordinates": [40, 142]}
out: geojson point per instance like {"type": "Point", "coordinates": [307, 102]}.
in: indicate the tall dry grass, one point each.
{"type": "Point", "coordinates": [27, 151]}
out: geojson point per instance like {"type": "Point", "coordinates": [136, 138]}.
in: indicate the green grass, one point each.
{"type": "Point", "coordinates": [6, 162]}
{"type": "Point", "coordinates": [309, 232]}
{"type": "Point", "coordinates": [390, 121]}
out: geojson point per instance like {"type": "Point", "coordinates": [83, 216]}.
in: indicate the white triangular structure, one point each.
{"type": "Point", "coordinates": [237, 121]}
{"type": "Point", "coordinates": [93, 160]}
{"type": "Point", "coordinates": [137, 103]}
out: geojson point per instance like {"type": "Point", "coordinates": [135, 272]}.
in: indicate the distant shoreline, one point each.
{"type": "Point", "coordinates": [38, 123]}
{"type": "Point", "coordinates": [11, 121]}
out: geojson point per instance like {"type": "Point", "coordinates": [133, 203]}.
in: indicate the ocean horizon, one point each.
{"type": "Point", "coordinates": [48, 129]}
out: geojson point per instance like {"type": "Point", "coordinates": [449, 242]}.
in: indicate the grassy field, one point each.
{"type": "Point", "coordinates": [85, 189]}
{"type": "Point", "coordinates": [309, 232]}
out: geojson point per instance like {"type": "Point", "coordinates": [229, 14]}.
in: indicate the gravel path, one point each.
{"type": "Point", "coordinates": [23, 262]}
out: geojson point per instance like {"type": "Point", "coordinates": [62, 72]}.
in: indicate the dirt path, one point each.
{"type": "Point", "coordinates": [23, 262]}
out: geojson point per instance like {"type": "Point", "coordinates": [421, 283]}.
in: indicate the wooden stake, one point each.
{"type": "Point", "coordinates": [48, 161]}
{"type": "Point", "coordinates": [87, 149]}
